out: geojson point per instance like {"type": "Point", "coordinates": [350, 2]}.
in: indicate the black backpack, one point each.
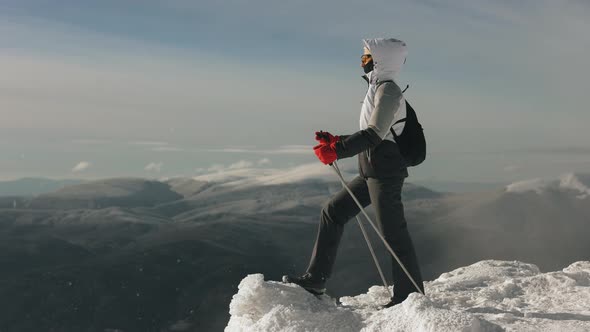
{"type": "Point", "coordinates": [411, 141]}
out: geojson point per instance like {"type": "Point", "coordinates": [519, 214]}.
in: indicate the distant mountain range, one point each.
{"type": "Point", "coordinates": [132, 254]}
{"type": "Point", "coordinates": [33, 186]}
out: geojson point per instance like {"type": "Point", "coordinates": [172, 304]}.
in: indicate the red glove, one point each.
{"type": "Point", "coordinates": [326, 153]}
{"type": "Point", "coordinates": [325, 137]}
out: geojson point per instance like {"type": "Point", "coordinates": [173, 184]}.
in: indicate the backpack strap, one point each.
{"type": "Point", "coordinates": [381, 82]}
{"type": "Point", "coordinates": [393, 132]}
{"type": "Point", "coordinates": [398, 121]}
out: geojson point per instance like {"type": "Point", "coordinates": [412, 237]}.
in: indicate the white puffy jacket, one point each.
{"type": "Point", "coordinates": [384, 104]}
{"type": "Point", "coordinates": [380, 112]}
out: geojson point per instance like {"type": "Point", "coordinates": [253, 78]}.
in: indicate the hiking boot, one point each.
{"type": "Point", "coordinates": [390, 304]}
{"type": "Point", "coordinates": [316, 286]}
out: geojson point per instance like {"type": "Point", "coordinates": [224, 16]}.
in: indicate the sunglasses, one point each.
{"type": "Point", "coordinates": [365, 57]}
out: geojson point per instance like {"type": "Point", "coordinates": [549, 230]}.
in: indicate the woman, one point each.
{"type": "Point", "coordinates": [382, 173]}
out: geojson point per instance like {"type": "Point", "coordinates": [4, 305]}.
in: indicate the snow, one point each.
{"type": "Point", "coordinates": [537, 185]}
{"type": "Point", "coordinates": [486, 296]}
{"type": "Point", "coordinates": [567, 182]}
{"type": "Point", "coordinates": [518, 296]}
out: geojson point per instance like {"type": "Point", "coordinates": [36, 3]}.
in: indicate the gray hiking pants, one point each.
{"type": "Point", "coordinates": [385, 195]}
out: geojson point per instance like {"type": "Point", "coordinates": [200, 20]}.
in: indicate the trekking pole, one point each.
{"type": "Point", "coordinates": [335, 167]}
{"type": "Point", "coordinates": [369, 245]}
{"type": "Point", "coordinates": [374, 256]}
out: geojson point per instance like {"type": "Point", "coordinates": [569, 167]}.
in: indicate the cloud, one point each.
{"type": "Point", "coordinates": [575, 182]}
{"type": "Point", "coordinates": [153, 167]}
{"type": "Point", "coordinates": [284, 149]}
{"type": "Point", "coordinates": [512, 168]}
{"type": "Point", "coordinates": [568, 181]}
{"type": "Point", "coordinates": [239, 170]}
{"type": "Point", "coordinates": [216, 168]}
{"type": "Point", "coordinates": [244, 177]}
{"type": "Point", "coordinates": [167, 149]}
{"type": "Point", "coordinates": [148, 143]}
{"type": "Point", "coordinates": [511, 69]}
{"type": "Point", "coordinates": [537, 185]}
{"type": "Point", "coordinates": [293, 149]}
{"type": "Point", "coordinates": [83, 165]}
{"type": "Point", "coordinates": [562, 150]}
{"type": "Point", "coordinates": [306, 172]}
{"type": "Point", "coordinates": [91, 141]}
{"type": "Point", "coordinates": [241, 164]}
{"type": "Point", "coordinates": [130, 102]}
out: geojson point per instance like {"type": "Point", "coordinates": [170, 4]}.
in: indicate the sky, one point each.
{"type": "Point", "coordinates": [94, 89]}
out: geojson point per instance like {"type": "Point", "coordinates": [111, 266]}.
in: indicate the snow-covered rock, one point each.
{"type": "Point", "coordinates": [486, 296]}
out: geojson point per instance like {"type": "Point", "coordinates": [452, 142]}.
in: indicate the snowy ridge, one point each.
{"type": "Point", "coordinates": [567, 181]}
{"type": "Point", "coordinates": [486, 296]}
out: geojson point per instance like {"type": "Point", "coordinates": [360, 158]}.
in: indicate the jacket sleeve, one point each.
{"type": "Point", "coordinates": [387, 100]}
